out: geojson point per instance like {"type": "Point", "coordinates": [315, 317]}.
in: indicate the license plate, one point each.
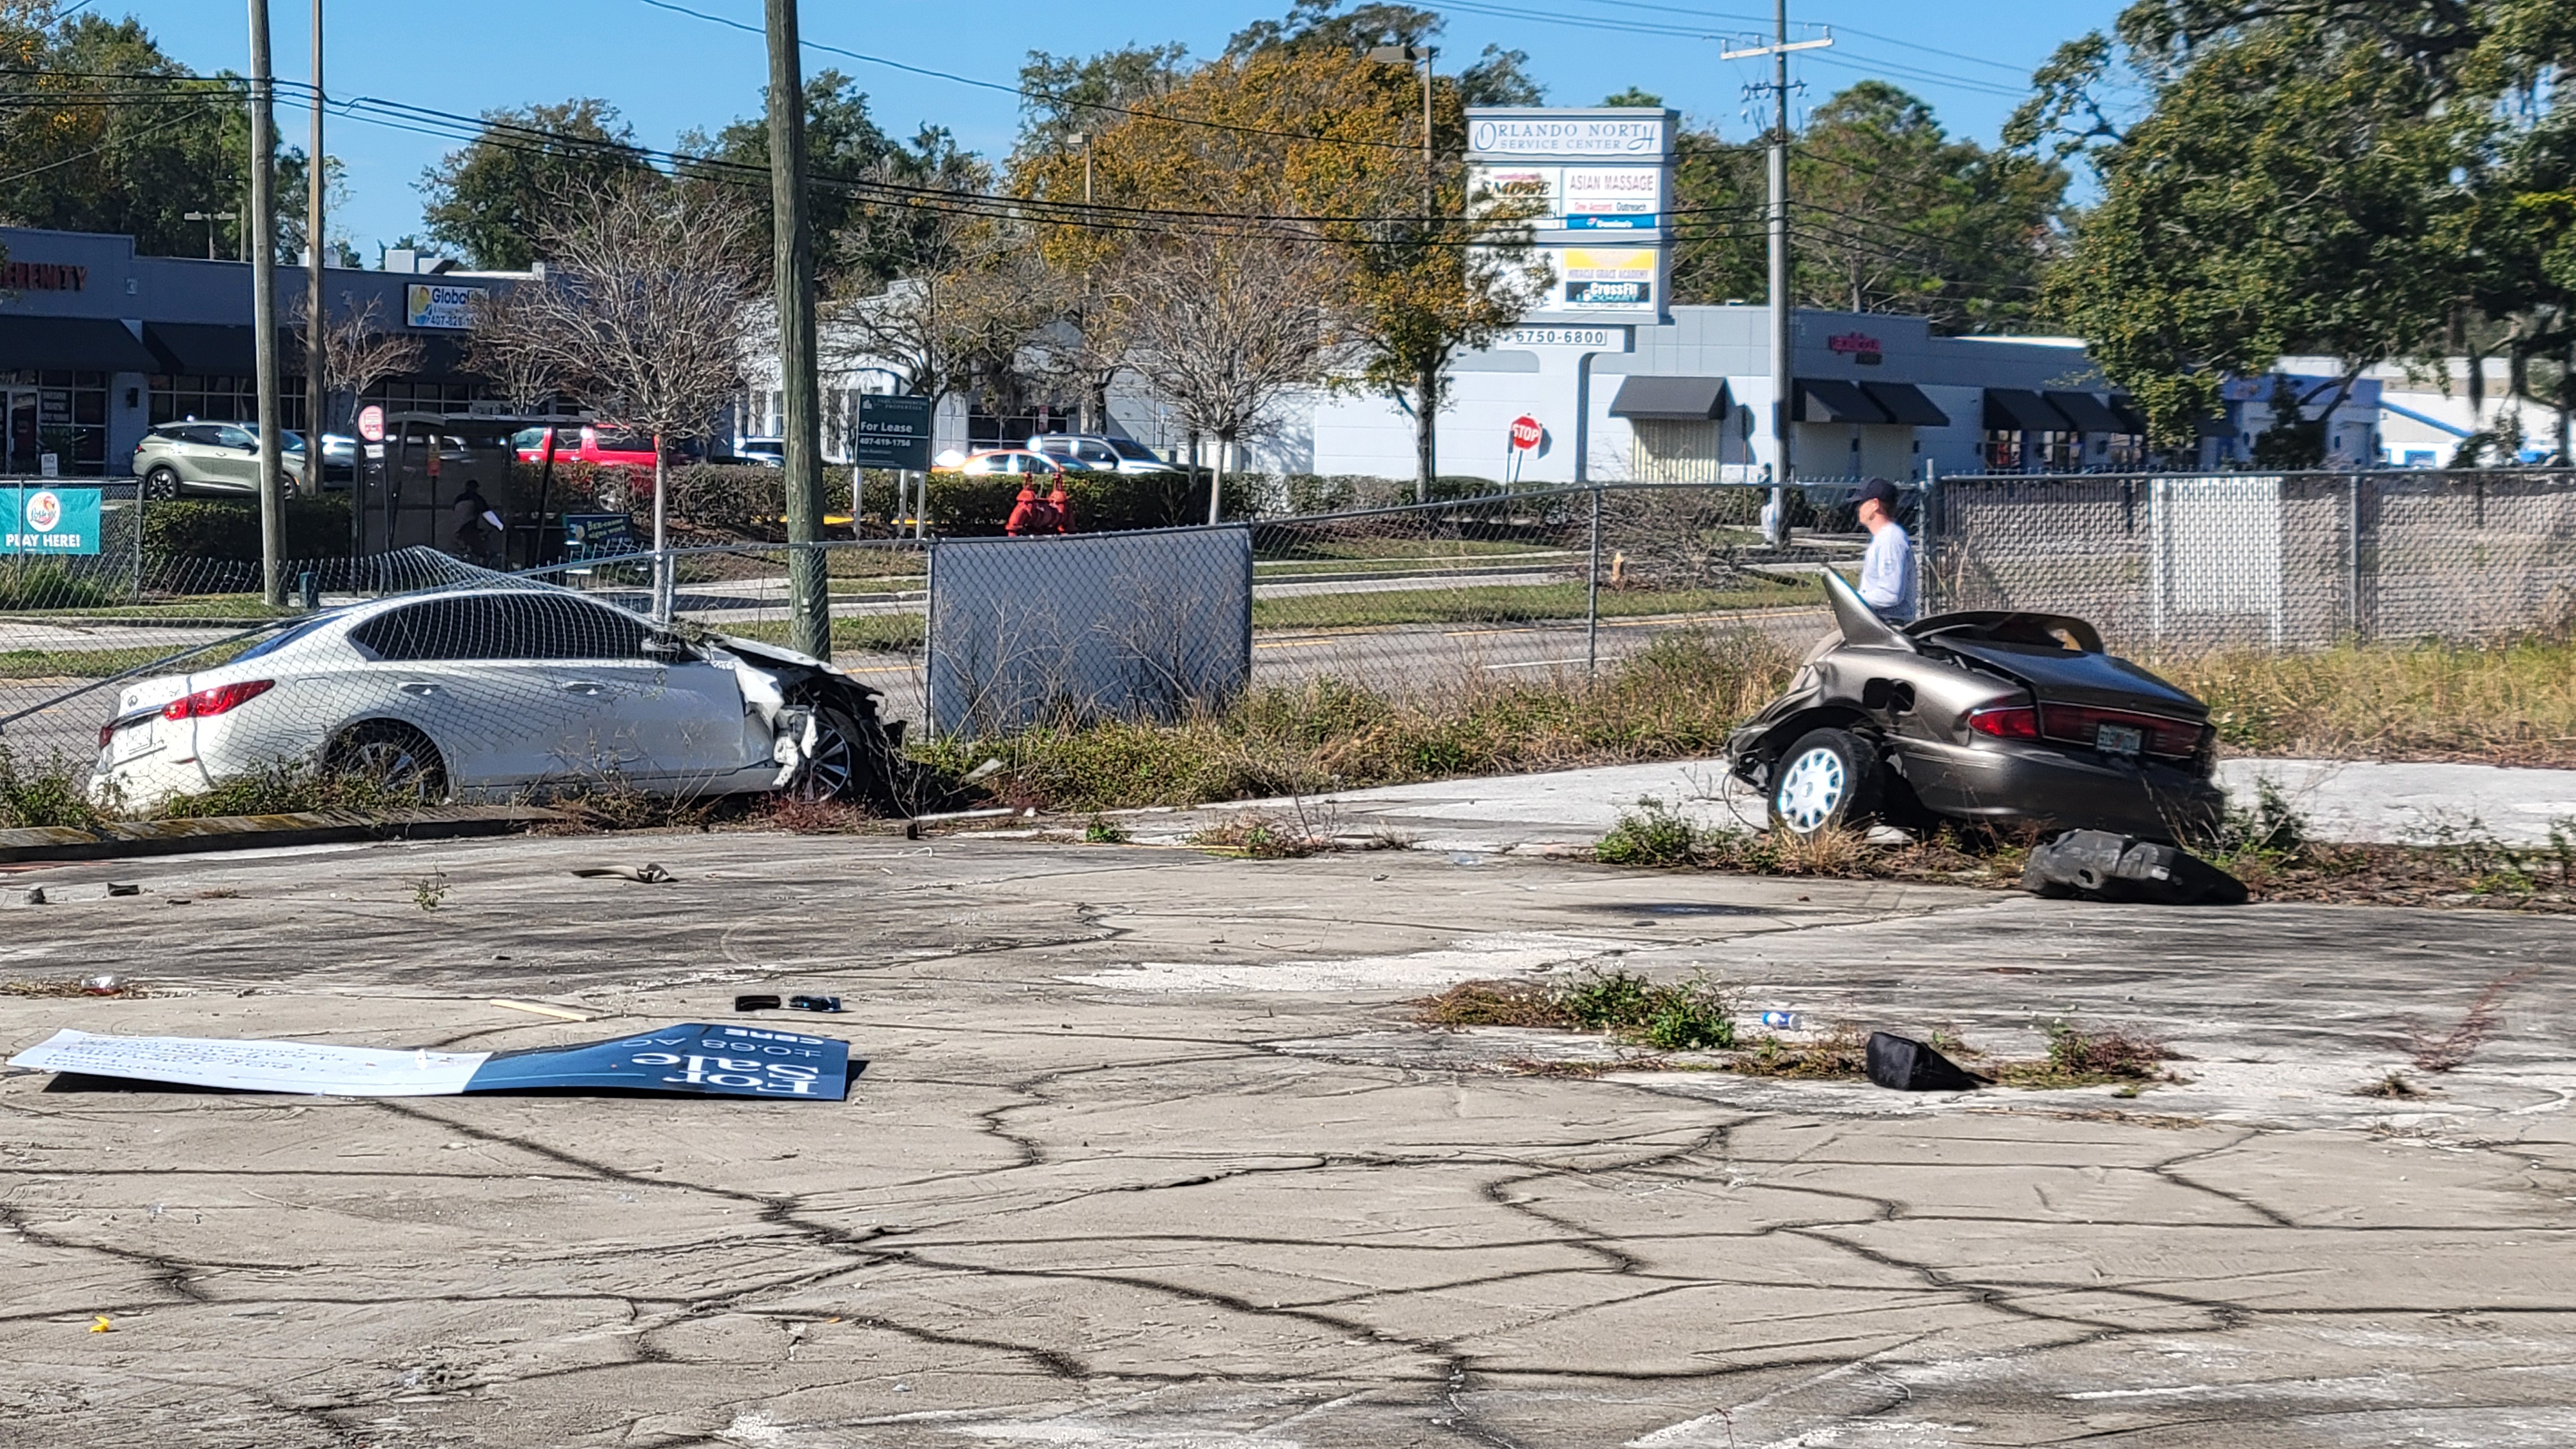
{"type": "Point", "coordinates": [2117, 739]}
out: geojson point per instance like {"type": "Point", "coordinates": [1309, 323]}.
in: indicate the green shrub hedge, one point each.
{"type": "Point", "coordinates": [228, 529]}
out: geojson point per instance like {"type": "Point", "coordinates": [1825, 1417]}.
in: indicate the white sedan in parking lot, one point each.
{"type": "Point", "coordinates": [498, 693]}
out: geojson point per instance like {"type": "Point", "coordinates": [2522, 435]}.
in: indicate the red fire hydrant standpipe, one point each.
{"type": "Point", "coordinates": [1032, 514]}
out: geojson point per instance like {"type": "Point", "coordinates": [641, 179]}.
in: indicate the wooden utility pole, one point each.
{"type": "Point", "coordinates": [809, 603]}
{"type": "Point", "coordinates": [261, 243]}
{"type": "Point", "coordinates": [316, 319]}
{"type": "Point", "coordinates": [1784, 383]}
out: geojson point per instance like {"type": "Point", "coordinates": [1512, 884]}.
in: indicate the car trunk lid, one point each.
{"type": "Point", "coordinates": [2082, 678]}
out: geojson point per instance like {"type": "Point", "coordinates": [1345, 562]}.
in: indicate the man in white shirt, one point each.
{"type": "Point", "coordinates": [1887, 568]}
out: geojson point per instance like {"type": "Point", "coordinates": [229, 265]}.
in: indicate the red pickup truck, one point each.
{"type": "Point", "coordinates": [585, 444]}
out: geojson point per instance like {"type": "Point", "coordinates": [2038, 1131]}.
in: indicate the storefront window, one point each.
{"type": "Point", "coordinates": [57, 412]}
{"type": "Point", "coordinates": [2003, 452]}
{"type": "Point", "coordinates": [989, 430]}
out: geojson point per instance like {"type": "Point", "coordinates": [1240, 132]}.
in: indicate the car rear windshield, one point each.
{"type": "Point", "coordinates": [534, 625]}
{"type": "Point", "coordinates": [284, 637]}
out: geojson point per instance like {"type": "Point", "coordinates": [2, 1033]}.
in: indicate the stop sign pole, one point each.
{"type": "Point", "coordinates": [1526, 434]}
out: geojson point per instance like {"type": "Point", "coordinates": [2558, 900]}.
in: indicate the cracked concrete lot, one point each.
{"type": "Point", "coordinates": [1148, 1154]}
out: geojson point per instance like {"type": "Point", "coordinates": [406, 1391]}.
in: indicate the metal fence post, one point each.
{"type": "Point", "coordinates": [2352, 554]}
{"type": "Point", "coordinates": [1592, 595]}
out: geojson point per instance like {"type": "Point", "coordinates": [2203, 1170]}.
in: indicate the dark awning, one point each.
{"type": "Point", "coordinates": [1905, 403]}
{"type": "Point", "coordinates": [79, 344]}
{"type": "Point", "coordinates": [1697, 399]}
{"type": "Point", "coordinates": [2131, 420]}
{"type": "Point", "coordinates": [1825, 400]}
{"type": "Point", "coordinates": [203, 349]}
{"type": "Point", "coordinates": [2012, 410]}
{"type": "Point", "coordinates": [2086, 412]}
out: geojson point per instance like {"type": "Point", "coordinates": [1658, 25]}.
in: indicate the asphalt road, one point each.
{"type": "Point", "coordinates": [1149, 1154]}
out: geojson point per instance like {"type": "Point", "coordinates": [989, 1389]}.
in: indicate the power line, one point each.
{"type": "Point", "coordinates": [1053, 98]}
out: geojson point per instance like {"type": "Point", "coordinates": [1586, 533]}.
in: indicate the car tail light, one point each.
{"type": "Point", "coordinates": [2081, 724]}
{"type": "Point", "coordinates": [2006, 722]}
{"type": "Point", "coordinates": [216, 700]}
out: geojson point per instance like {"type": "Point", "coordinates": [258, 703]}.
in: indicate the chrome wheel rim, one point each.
{"type": "Point", "coordinates": [827, 771]}
{"type": "Point", "coordinates": [392, 763]}
{"type": "Point", "coordinates": [1811, 789]}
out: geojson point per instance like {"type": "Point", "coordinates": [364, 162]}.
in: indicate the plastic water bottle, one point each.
{"type": "Point", "coordinates": [1783, 1020]}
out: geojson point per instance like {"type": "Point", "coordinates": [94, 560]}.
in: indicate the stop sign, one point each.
{"type": "Point", "coordinates": [371, 423]}
{"type": "Point", "coordinates": [1526, 432]}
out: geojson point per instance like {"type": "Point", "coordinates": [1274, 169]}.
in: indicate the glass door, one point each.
{"type": "Point", "coordinates": [23, 445]}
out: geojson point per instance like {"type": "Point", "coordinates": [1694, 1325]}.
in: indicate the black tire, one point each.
{"type": "Point", "coordinates": [1829, 779]}
{"type": "Point", "coordinates": [161, 484]}
{"type": "Point", "coordinates": [393, 755]}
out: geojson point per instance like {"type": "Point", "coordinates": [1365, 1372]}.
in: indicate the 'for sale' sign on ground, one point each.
{"type": "Point", "coordinates": [49, 520]}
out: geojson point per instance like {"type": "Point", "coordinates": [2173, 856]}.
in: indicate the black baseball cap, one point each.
{"type": "Point", "coordinates": [1879, 490]}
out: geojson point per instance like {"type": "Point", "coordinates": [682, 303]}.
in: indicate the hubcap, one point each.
{"type": "Point", "coordinates": [827, 771]}
{"type": "Point", "coordinates": [1811, 789]}
{"type": "Point", "coordinates": [391, 763]}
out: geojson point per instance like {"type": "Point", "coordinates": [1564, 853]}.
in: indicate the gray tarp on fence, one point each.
{"type": "Point", "coordinates": [1131, 625]}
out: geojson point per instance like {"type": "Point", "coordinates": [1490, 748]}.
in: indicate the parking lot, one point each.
{"type": "Point", "coordinates": [1149, 1152]}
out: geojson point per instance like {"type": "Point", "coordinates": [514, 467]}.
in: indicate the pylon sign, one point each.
{"type": "Point", "coordinates": [1592, 186]}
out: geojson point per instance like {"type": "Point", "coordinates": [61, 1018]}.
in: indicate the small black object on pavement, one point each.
{"type": "Point", "coordinates": [1902, 1064]}
{"type": "Point", "coordinates": [813, 1003]}
{"type": "Point", "coordinates": [755, 1003]}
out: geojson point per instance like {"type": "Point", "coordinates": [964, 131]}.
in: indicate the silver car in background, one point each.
{"type": "Point", "coordinates": [1101, 453]}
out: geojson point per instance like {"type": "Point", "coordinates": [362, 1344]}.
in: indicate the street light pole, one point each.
{"type": "Point", "coordinates": [1783, 304]}
{"type": "Point", "coordinates": [261, 242]}
{"type": "Point", "coordinates": [315, 317]}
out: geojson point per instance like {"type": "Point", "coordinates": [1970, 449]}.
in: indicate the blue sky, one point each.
{"type": "Point", "coordinates": [668, 73]}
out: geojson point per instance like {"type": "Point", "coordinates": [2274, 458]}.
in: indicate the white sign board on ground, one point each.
{"type": "Point", "coordinates": [691, 1058]}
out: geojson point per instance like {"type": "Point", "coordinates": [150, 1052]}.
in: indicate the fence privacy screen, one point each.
{"type": "Point", "coordinates": [1148, 625]}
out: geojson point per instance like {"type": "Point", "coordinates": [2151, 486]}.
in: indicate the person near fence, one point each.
{"type": "Point", "coordinates": [1887, 566]}
{"type": "Point", "coordinates": [475, 529]}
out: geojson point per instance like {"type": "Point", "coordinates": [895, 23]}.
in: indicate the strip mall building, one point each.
{"type": "Point", "coordinates": [98, 344]}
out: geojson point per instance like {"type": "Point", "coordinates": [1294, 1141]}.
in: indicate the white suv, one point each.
{"type": "Point", "coordinates": [1104, 454]}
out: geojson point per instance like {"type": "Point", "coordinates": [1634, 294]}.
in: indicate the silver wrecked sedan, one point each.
{"type": "Point", "coordinates": [501, 693]}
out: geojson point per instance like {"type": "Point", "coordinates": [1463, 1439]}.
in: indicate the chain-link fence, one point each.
{"type": "Point", "coordinates": [2165, 563]}
{"type": "Point", "coordinates": [1547, 588]}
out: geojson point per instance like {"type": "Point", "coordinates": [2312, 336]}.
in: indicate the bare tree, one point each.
{"type": "Point", "coordinates": [974, 294]}
{"type": "Point", "coordinates": [642, 315]}
{"type": "Point", "coordinates": [1229, 326]}
{"type": "Point", "coordinates": [357, 353]}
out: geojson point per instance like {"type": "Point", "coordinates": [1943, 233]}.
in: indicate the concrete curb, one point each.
{"type": "Point", "coordinates": [123, 839]}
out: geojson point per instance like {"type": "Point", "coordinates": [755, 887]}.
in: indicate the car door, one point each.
{"type": "Point", "coordinates": [457, 667]}
{"type": "Point", "coordinates": [229, 457]}
{"type": "Point", "coordinates": [669, 717]}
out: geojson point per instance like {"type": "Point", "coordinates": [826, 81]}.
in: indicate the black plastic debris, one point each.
{"type": "Point", "coordinates": [1902, 1064]}
{"type": "Point", "coordinates": [755, 1003]}
{"type": "Point", "coordinates": [2098, 865]}
{"type": "Point", "coordinates": [813, 1003]}
{"type": "Point", "coordinates": [115, 889]}
{"type": "Point", "coordinates": [649, 873]}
